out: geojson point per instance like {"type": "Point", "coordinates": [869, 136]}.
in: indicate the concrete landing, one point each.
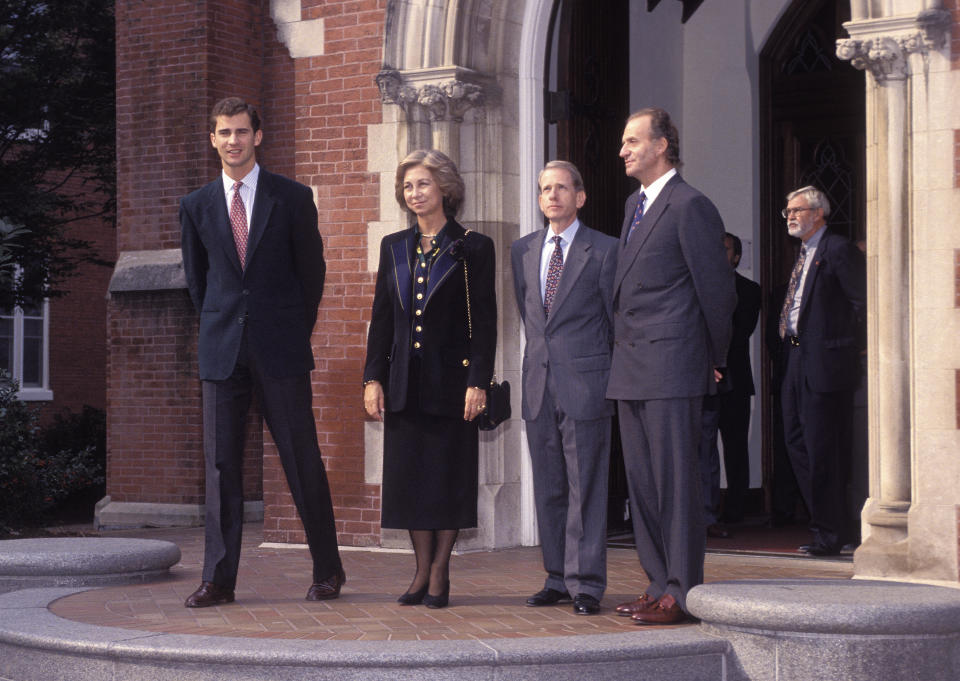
{"type": "Point", "coordinates": [36, 645]}
{"type": "Point", "coordinates": [83, 561]}
{"type": "Point", "coordinates": [813, 629]}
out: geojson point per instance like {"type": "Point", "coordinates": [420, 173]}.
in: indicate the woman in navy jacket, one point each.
{"type": "Point", "coordinates": [430, 353]}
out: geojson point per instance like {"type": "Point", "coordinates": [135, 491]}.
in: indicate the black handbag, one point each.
{"type": "Point", "coordinates": [498, 394]}
{"type": "Point", "coordinates": [498, 406]}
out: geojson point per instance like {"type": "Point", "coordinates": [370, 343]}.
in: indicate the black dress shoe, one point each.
{"type": "Point", "coordinates": [585, 604]}
{"type": "Point", "coordinates": [327, 589]}
{"type": "Point", "coordinates": [209, 594]}
{"type": "Point", "coordinates": [820, 550]}
{"type": "Point", "coordinates": [547, 597]}
{"type": "Point", "coordinates": [440, 601]}
{"type": "Point", "coordinates": [414, 597]}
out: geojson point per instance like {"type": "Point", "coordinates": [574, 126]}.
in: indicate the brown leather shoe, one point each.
{"type": "Point", "coordinates": [208, 594]}
{"type": "Point", "coordinates": [327, 589]}
{"type": "Point", "coordinates": [666, 611]}
{"type": "Point", "coordinates": [642, 603]}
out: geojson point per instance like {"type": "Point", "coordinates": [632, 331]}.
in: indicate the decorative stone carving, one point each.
{"type": "Point", "coordinates": [883, 56]}
{"type": "Point", "coordinates": [394, 91]}
{"type": "Point", "coordinates": [878, 45]}
{"type": "Point", "coordinates": [445, 99]}
{"type": "Point", "coordinates": [461, 97]}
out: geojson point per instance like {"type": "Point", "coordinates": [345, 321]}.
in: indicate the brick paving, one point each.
{"type": "Point", "coordinates": [488, 590]}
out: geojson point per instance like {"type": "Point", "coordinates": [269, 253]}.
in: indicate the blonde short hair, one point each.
{"type": "Point", "coordinates": [445, 174]}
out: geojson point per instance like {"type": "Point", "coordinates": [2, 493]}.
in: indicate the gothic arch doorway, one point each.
{"type": "Point", "coordinates": [812, 131]}
{"type": "Point", "coordinates": [585, 106]}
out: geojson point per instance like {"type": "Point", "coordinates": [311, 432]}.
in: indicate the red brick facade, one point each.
{"type": "Point", "coordinates": [174, 60]}
{"type": "Point", "coordinates": [77, 330]}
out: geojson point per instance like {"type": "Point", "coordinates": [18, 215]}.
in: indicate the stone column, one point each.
{"type": "Point", "coordinates": [890, 50]}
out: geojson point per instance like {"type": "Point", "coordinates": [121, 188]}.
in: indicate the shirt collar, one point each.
{"type": "Point", "coordinates": [653, 191]}
{"type": "Point", "coordinates": [812, 243]}
{"type": "Point", "coordinates": [567, 234]}
{"type": "Point", "coordinates": [249, 180]}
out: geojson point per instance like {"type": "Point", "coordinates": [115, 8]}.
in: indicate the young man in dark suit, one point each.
{"type": "Point", "coordinates": [673, 301]}
{"type": "Point", "coordinates": [253, 260]}
{"type": "Point", "coordinates": [821, 336]}
{"type": "Point", "coordinates": [563, 279]}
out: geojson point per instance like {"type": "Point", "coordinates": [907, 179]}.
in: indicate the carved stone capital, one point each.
{"type": "Point", "coordinates": [883, 56]}
{"type": "Point", "coordinates": [461, 97]}
{"type": "Point", "coordinates": [434, 100]}
{"type": "Point", "coordinates": [883, 46]}
{"type": "Point", "coordinates": [444, 95]}
{"type": "Point", "coordinates": [394, 91]}
{"type": "Point", "coordinates": [934, 26]}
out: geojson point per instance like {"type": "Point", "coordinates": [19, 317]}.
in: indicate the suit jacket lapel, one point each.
{"type": "Point", "coordinates": [217, 214]}
{"type": "Point", "coordinates": [630, 249]}
{"type": "Point", "coordinates": [445, 264]}
{"type": "Point", "coordinates": [572, 268]}
{"type": "Point", "coordinates": [262, 207]}
{"type": "Point", "coordinates": [531, 275]}
{"type": "Point", "coordinates": [812, 272]}
{"type": "Point", "coordinates": [403, 268]}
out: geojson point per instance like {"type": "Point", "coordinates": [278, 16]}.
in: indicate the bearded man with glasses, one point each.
{"type": "Point", "coordinates": [821, 336]}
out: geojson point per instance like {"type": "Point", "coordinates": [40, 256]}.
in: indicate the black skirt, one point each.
{"type": "Point", "coordinates": [430, 466]}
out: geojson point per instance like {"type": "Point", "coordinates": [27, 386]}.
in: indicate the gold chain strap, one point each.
{"type": "Point", "coordinates": [466, 287]}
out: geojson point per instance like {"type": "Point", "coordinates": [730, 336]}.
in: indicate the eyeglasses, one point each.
{"type": "Point", "coordinates": [787, 212]}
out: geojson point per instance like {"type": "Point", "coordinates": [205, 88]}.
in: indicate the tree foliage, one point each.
{"type": "Point", "coordinates": [57, 136]}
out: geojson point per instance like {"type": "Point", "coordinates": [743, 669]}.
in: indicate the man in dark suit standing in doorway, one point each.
{"type": "Point", "coordinates": [734, 424]}
{"type": "Point", "coordinates": [563, 278]}
{"type": "Point", "coordinates": [254, 266]}
{"type": "Point", "coordinates": [820, 331]}
{"type": "Point", "coordinates": [673, 305]}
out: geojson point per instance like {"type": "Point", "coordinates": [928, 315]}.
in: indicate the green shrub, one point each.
{"type": "Point", "coordinates": [40, 469]}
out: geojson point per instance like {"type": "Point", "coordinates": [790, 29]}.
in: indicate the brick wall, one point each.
{"type": "Point", "coordinates": [175, 59]}
{"type": "Point", "coordinates": [153, 403]}
{"type": "Point", "coordinates": [336, 98]}
{"type": "Point", "coordinates": [77, 325]}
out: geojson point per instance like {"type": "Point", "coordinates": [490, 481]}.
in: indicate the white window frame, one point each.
{"type": "Point", "coordinates": [41, 393]}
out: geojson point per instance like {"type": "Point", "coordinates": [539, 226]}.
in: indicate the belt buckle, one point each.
{"type": "Point", "coordinates": [795, 341]}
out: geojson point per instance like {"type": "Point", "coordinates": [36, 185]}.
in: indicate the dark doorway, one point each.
{"type": "Point", "coordinates": [588, 103]}
{"type": "Point", "coordinates": [812, 132]}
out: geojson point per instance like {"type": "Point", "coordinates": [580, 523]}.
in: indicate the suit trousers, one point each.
{"type": "Point", "coordinates": [734, 433]}
{"type": "Point", "coordinates": [571, 463]}
{"type": "Point", "coordinates": [817, 435]}
{"type": "Point", "coordinates": [661, 441]}
{"type": "Point", "coordinates": [287, 409]}
{"type": "Point", "coordinates": [710, 459]}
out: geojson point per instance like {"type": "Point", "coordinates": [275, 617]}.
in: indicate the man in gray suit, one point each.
{"type": "Point", "coordinates": [563, 278]}
{"type": "Point", "coordinates": [673, 302]}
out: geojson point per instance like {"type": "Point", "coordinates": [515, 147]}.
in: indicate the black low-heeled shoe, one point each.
{"type": "Point", "coordinates": [440, 601]}
{"type": "Point", "coordinates": [414, 597]}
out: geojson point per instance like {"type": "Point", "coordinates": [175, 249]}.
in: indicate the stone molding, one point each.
{"type": "Point", "coordinates": [883, 46]}
{"type": "Point", "coordinates": [443, 94]}
{"type": "Point", "coordinates": [157, 270]}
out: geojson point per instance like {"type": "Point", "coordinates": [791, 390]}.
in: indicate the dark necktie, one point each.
{"type": "Point", "coordinates": [637, 214]}
{"type": "Point", "coordinates": [791, 291]}
{"type": "Point", "coordinates": [238, 222]}
{"type": "Point", "coordinates": [554, 268]}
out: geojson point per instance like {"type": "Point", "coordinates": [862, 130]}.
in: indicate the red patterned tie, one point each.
{"type": "Point", "coordinates": [791, 291]}
{"type": "Point", "coordinates": [553, 275]}
{"type": "Point", "coordinates": [238, 221]}
{"type": "Point", "coordinates": [637, 214]}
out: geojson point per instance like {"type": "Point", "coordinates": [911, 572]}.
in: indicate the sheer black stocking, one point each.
{"type": "Point", "coordinates": [423, 549]}
{"type": "Point", "coordinates": [440, 567]}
